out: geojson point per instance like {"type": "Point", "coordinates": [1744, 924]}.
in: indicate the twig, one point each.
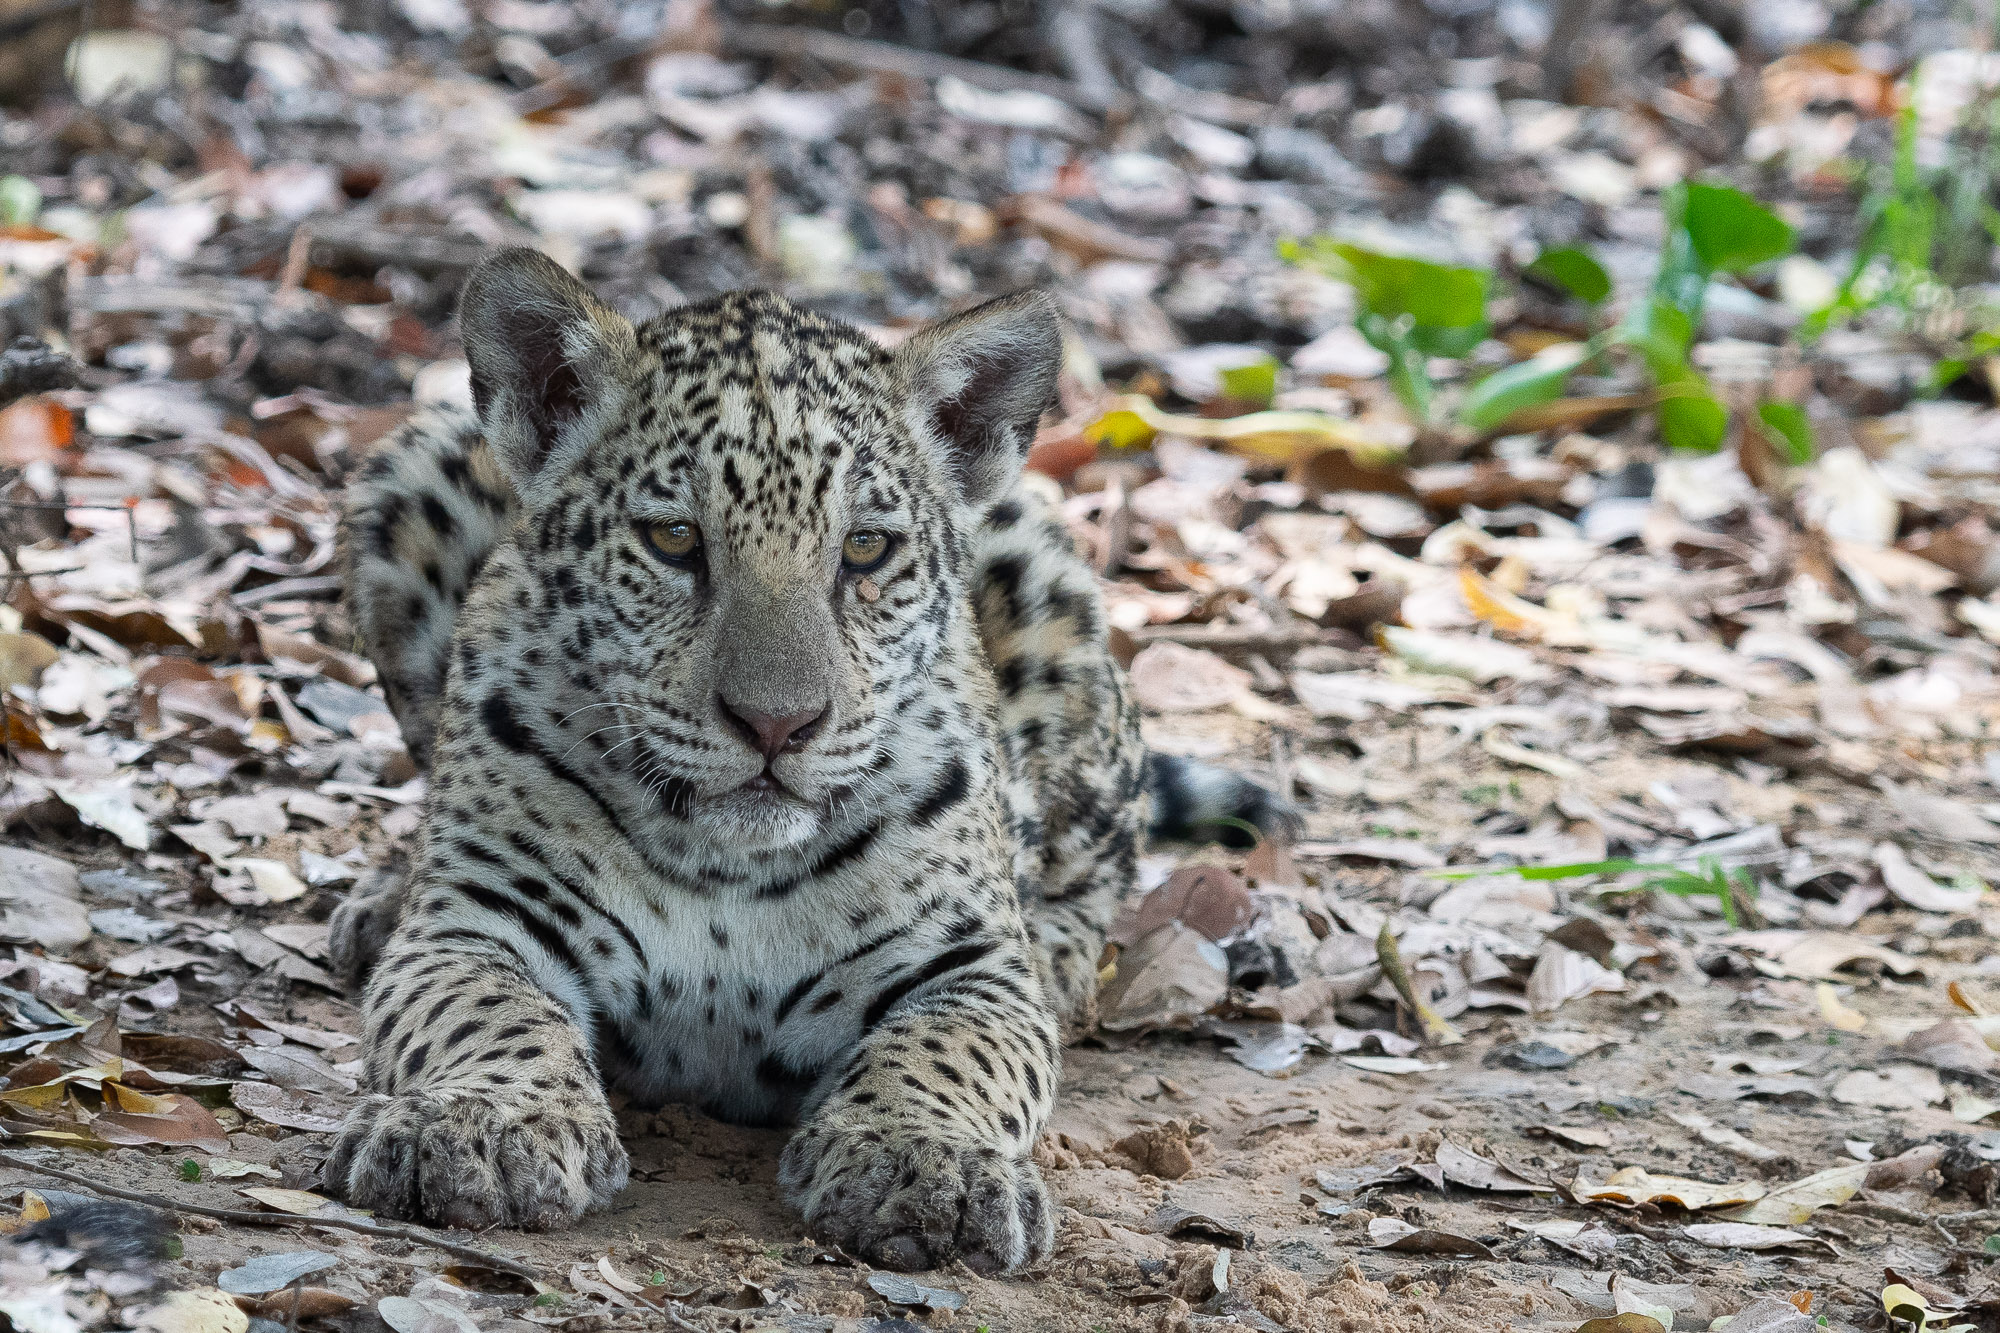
{"type": "Point", "coordinates": [1228, 637]}
{"type": "Point", "coordinates": [17, 575]}
{"type": "Point", "coordinates": [245, 1217]}
{"type": "Point", "coordinates": [372, 242]}
{"type": "Point", "coordinates": [580, 71]}
{"type": "Point", "coordinates": [780, 41]}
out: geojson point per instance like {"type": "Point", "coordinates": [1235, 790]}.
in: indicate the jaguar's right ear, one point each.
{"type": "Point", "coordinates": [549, 362]}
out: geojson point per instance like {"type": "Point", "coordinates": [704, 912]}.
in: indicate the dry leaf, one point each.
{"type": "Point", "coordinates": [1173, 678]}
{"type": "Point", "coordinates": [1835, 1013]}
{"type": "Point", "coordinates": [300, 1202]}
{"type": "Point", "coordinates": [1744, 1236]}
{"type": "Point", "coordinates": [1919, 890]}
{"type": "Point", "coordinates": [1893, 1088]}
{"type": "Point", "coordinates": [1635, 1185]}
{"type": "Point", "coordinates": [1790, 1205]}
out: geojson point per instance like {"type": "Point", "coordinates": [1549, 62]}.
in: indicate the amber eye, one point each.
{"type": "Point", "coordinates": [676, 541]}
{"type": "Point", "coordinates": [864, 550]}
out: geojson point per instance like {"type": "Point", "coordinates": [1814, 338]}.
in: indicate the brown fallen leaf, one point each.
{"type": "Point", "coordinates": [1393, 1233]}
{"type": "Point", "coordinates": [183, 1123]}
{"type": "Point", "coordinates": [1955, 1043]}
{"type": "Point", "coordinates": [1166, 980]}
{"type": "Point", "coordinates": [1212, 899]}
{"type": "Point", "coordinates": [1628, 1322]}
{"type": "Point", "coordinates": [307, 1303]}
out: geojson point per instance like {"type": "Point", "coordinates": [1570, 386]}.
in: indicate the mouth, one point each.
{"type": "Point", "coordinates": [766, 787]}
{"type": "Point", "coordinates": [759, 816]}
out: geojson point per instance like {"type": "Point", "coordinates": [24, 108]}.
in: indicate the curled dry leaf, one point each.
{"type": "Point", "coordinates": [1955, 1043]}
{"type": "Point", "coordinates": [1562, 975]}
{"type": "Point", "coordinates": [1919, 890]}
{"type": "Point", "coordinates": [1166, 980]}
{"type": "Point", "coordinates": [1634, 1186]}
{"type": "Point", "coordinates": [1790, 1205]}
{"type": "Point", "coordinates": [1393, 1233]}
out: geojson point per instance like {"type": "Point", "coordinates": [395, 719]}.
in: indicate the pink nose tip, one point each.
{"type": "Point", "coordinates": [771, 735]}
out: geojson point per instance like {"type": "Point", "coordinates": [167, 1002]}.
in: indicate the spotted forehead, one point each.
{"type": "Point", "coordinates": [774, 405]}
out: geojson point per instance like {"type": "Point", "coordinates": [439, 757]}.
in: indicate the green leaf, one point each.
{"type": "Point", "coordinates": [1539, 379]}
{"type": "Point", "coordinates": [1786, 423]}
{"type": "Point", "coordinates": [1731, 231]}
{"type": "Point", "coordinates": [1255, 383]}
{"type": "Point", "coordinates": [1616, 866]}
{"type": "Point", "coordinates": [20, 201]}
{"type": "Point", "coordinates": [1575, 270]}
{"type": "Point", "coordinates": [1691, 418]}
{"type": "Point", "coordinates": [1432, 340]}
{"type": "Point", "coordinates": [190, 1169]}
{"type": "Point", "coordinates": [1662, 332]}
{"type": "Point", "coordinates": [1434, 296]}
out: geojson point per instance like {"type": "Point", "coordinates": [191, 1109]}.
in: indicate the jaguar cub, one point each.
{"type": "Point", "coordinates": [778, 765]}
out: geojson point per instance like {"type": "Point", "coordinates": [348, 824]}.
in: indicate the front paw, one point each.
{"type": "Point", "coordinates": [912, 1201]}
{"type": "Point", "coordinates": [471, 1158]}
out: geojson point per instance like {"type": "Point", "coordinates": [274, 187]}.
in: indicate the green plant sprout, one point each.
{"type": "Point", "coordinates": [1928, 232]}
{"type": "Point", "coordinates": [1413, 309]}
{"type": "Point", "coordinates": [1734, 889]}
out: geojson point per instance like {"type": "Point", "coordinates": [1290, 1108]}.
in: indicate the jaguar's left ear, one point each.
{"type": "Point", "coordinates": [976, 386]}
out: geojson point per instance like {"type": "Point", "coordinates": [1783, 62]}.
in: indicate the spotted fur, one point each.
{"type": "Point", "coordinates": [881, 932]}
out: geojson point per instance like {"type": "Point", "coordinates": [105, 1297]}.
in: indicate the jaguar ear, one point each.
{"type": "Point", "coordinates": [548, 361]}
{"type": "Point", "coordinates": [976, 386]}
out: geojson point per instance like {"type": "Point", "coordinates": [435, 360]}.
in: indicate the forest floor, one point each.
{"type": "Point", "coordinates": [1664, 776]}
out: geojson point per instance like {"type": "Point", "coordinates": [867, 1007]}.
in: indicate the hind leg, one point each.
{"type": "Point", "coordinates": [363, 922]}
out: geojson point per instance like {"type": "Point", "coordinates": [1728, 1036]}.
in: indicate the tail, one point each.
{"type": "Point", "coordinates": [109, 1235]}
{"type": "Point", "coordinates": [1194, 800]}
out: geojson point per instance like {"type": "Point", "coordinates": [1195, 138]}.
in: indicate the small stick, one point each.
{"type": "Point", "coordinates": [1437, 1031]}
{"type": "Point", "coordinates": [245, 1217]}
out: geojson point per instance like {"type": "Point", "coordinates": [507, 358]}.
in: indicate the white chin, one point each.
{"type": "Point", "coordinates": [755, 823]}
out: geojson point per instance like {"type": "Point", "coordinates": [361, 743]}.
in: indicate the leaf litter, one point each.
{"type": "Point", "coordinates": [1600, 555]}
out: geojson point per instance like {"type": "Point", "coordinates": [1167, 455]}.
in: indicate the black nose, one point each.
{"type": "Point", "coordinates": [772, 735]}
